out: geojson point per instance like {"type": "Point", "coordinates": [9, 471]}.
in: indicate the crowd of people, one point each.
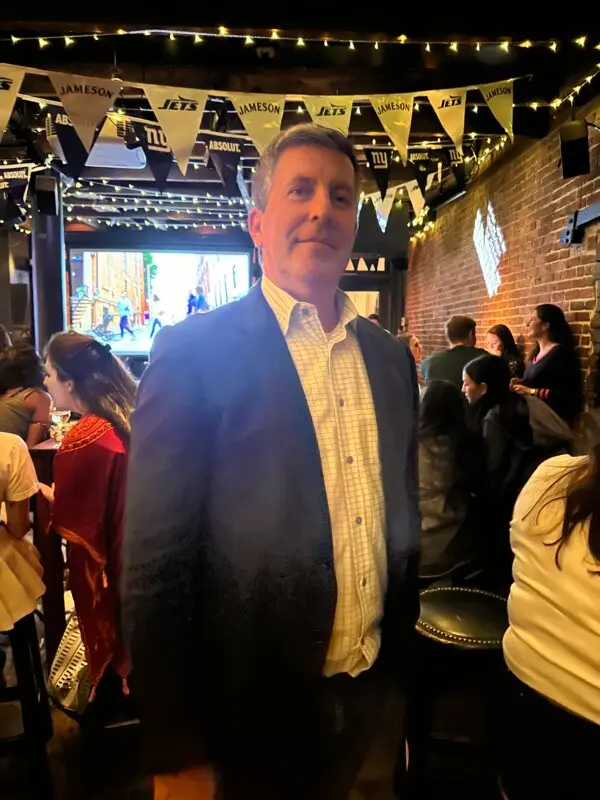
{"type": "Point", "coordinates": [243, 547]}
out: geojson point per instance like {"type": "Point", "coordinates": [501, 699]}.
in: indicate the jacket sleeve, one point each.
{"type": "Point", "coordinates": [168, 473]}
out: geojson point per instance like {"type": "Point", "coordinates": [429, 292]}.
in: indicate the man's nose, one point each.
{"type": "Point", "coordinates": [320, 204]}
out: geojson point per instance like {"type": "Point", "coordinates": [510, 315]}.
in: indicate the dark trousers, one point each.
{"type": "Point", "coordinates": [360, 759]}
{"type": "Point", "coordinates": [546, 751]}
{"type": "Point", "coordinates": [156, 324]}
{"type": "Point", "coordinates": [124, 326]}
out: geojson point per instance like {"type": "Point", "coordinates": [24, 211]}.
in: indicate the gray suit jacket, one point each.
{"type": "Point", "coordinates": [229, 587]}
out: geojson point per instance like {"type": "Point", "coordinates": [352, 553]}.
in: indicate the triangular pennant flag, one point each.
{"type": "Point", "coordinates": [179, 113]}
{"type": "Point", "coordinates": [261, 115]}
{"type": "Point", "coordinates": [153, 141]}
{"type": "Point", "coordinates": [449, 105]}
{"type": "Point", "coordinates": [429, 181]}
{"type": "Point", "coordinates": [362, 267]}
{"type": "Point", "coordinates": [499, 97]}
{"type": "Point", "coordinates": [14, 180]}
{"type": "Point", "coordinates": [415, 196]}
{"type": "Point", "coordinates": [371, 262]}
{"type": "Point", "coordinates": [330, 111]}
{"type": "Point", "coordinates": [395, 114]}
{"type": "Point", "coordinates": [379, 161]}
{"type": "Point", "coordinates": [11, 79]}
{"type": "Point", "coordinates": [70, 148]}
{"type": "Point", "coordinates": [383, 207]}
{"type": "Point", "coordinates": [225, 154]}
{"type": "Point", "coordinates": [86, 101]}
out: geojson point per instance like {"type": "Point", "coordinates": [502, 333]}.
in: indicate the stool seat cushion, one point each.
{"type": "Point", "coordinates": [470, 619]}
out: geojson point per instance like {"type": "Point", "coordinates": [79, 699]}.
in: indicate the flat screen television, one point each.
{"type": "Point", "coordinates": [150, 289]}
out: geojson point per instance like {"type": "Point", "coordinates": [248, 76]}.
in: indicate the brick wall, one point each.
{"type": "Point", "coordinates": [531, 201]}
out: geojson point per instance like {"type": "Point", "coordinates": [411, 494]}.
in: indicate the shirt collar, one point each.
{"type": "Point", "coordinates": [286, 308]}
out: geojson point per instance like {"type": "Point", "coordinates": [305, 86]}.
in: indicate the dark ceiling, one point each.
{"type": "Point", "coordinates": [543, 73]}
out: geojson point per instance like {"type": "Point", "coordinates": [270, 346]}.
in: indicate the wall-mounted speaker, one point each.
{"type": "Point", "coordinates": [46, 189]}
{"type": "Point", "coordinates": [574, 149]}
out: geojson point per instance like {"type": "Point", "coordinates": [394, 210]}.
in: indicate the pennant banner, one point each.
{"type": "Point", "coordinates": [261, 115]}
{"type": "Point", "coordinates": [395, 113]}
{"type": "Point", "coordinates": [69, 147]}
{"type": "Point", "coordinates": [449, 105]}
{"type": "Point", "coordinates": [499, 97]}
{"type": "Point", "coordinates": [330, 111]}
{"type": "Point", "coordinates": [179, 113]}
{"type": "Point", "coordinates": [14, 183]}
{"type": "Point", "coordinates": [225, 155]}
{"type": "Point", "coordinates": [86, 101]}
{"type": "Point", "coordinates": [11, 79]}
{"type": "Point", "coordinates": [379, 164]}
{"type": "Point", "coordinates": [383, 207]}
{"type": "Point", "coordinates": [415, 195]}
{"type": "Point", "coordinates": [153, 141]}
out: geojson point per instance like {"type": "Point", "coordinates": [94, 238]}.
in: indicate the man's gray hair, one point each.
{"type": "Point", "coordinates": [305, 135]}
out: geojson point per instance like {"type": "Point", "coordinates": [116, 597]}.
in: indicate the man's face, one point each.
{"type": "Point", "coordinates": [307, 229]}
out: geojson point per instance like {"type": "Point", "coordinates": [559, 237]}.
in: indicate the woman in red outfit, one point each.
{"type": "Point", "coordinates": [87, 499]}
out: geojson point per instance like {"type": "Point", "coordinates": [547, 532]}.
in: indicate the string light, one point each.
{"type": "Point", "coordinates": [526, 43]}
{"type": "Point", "coordinates": [300, 42]}
{"type": "Point", "coordinates": [553, 46]}
{"type": "Point", "coordinates": [351, 45]}
{"type": "Point", "coordinates": [15, 39]}
{"type": "Point", "coordinates": [172, 36]}
{"type": "Point", "coordinates": [223, 31]}
{"type": "Point", "coordinates": [121, 32]}
{"type": "Point", "coordinates": [581, 41]}
{"type": "Point", "coordinates": [428, 47]}
{"type": "Point", "coordinates": [96, 37]}
{"type": "Point", "coordinates": [299, 110]}
{"type": "Point", "coordinates": [274, 34]}
{"type": "Point", "coordinates": [402, 39]}
{"type": "Point", "coordinates": [376, 45]}
{"type": "Point", "coordinates": [248, 40]}
{"type": "Point", "coordinates": [43, 43]}
{"type": "Point", "coordinates": [535, 106]}
{"type": "Point", "coordinates": [147, 33]}
{"type": "Point", "coordinates": [69, 41]}
{"type": "Point", "coordinates": [198, 39]}
{"type": "Point", "coordinates": [358, 112]}
{"type": "Point", "coordinates": [416, 107]}
{"type": "Point", "coordinates": [454, 47]}
{"type": "Point", "coordinates": [326, 43]}
{"type": "Point", "coordinates": [504, 46]}
{"type": "Point", "coordinates": [475, 109]}
{"type": "Point", "coordinates": [478, 46]}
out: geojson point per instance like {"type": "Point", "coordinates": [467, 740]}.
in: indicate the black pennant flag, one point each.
{"type": "Point", "coordinates": [74, 155]}
{"type": "Point", "coordinates": [379, 163]}
{"type": "Point", "coordinates": [14, 181]}
{"type": "Point", "coordinates": [225, 154]}
{"type": "Point", "coordinates": [153, 142]}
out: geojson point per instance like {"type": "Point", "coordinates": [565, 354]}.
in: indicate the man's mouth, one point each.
{"type": "Point", "coordinates": [316, 241]}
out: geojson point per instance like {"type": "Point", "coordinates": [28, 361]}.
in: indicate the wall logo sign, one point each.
{"type": "Point", "coordinates": [490, 246]}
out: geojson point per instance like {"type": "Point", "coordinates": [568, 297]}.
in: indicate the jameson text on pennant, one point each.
{"type": "Point", "coordinates": [379, 164]}
{"type": "Point", "coordinates": [11, 79]}
{"type": "Point", "coordinates": [330, 111]}
{"type": "Point", "coordinates": [395, 114]}
{"type": "Point", "coordinates": [415, 195]}
{"type": "Point", "coordinates": [225, 154]}
{"type": "Point", "coordinates": [86, 101]}
{"type": "Point", "coordinates": [261, 116]}
{"type": "Point", "coordinates": [499, 97]}
{"type": "Point", "coordinates": [179, 113]}
{"type": "Point", "coordinates": [449, 105]}
{"type": "Point", "coordinates": [70, 150]}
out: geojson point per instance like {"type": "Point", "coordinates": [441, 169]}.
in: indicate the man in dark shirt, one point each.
{"type": "Point", "coordinates": [449, 364]}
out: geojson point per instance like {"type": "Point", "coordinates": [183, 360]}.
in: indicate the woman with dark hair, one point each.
{"type": "Point", "coordinates": [24, 405]}
{"type": "Point", "coordinates": [87, 499]}
{"type": "Point", "coordinates": [553, 371]}
{"type": "Point", "coordinates": [519, 433]}
{"type": "Point", "coordinates": [501, 342]}
{"type": "Point", "coordinates": [451, 467]}
{"type": "Point", "coordinates": [552, 646]}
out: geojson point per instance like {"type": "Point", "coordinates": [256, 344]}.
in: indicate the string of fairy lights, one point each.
{"type": "Point", "coordinates": [323, 39]}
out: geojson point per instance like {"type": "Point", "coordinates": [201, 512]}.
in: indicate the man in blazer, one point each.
{"type": "Point", "coordinates": [269, 587]}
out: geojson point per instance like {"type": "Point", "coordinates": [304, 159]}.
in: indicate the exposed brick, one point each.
{"type": "Point", "coordinates": [531, 202]}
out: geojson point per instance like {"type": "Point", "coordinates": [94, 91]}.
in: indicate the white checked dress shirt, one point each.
{"type": "Point", "coordinates": [338, 393]}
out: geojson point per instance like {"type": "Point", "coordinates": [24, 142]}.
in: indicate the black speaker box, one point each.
{"type": "Point", "coordinates": [46, 189]}
{"type": "Point", "coordinates": [574, 149]}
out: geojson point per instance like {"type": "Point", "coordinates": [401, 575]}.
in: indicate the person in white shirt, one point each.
{"type": "Point", "coordinates": [272, 527]}
{"type": "Point", "coordinates": [20, 572]}
{"type": "Point", "coordinates": [552, 646]}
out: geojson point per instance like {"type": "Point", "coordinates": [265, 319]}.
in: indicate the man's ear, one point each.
{"type": "Point", "coordinates": [484, 388]}
{"type": "Point", "coordinates": [255, 226]}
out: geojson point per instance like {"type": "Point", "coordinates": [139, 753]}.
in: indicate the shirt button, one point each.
{"type": "Point", "coordinates": [341, 401]}
{"type": "Point", "coordinates": [349, 460]}
{"type": "Point", "coordinates": [358, 520]}
{"type": "Point", "coordinates": [363, 582]}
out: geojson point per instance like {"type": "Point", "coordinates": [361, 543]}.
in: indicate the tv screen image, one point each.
{"type": "Point", "coordinates": [125, 297]}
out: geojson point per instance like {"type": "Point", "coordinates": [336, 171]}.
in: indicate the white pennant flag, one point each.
{"type": "Point", "coordinates": [330, 111]}
{"type": "Point", "coordinates": [449, 105]}
{"type": "Point", "coordinates": [383, 208]}
{"type": "Point", "coordinates": [499, 97]}
{"type": "Point", "coordinates": [261, 116]}
{"type": "Point", "coordinates": [86, 101]}
{"type": "Point", "coordinates": [179, 114]}
{"type": "Point", "coordinates": [395, 113]}
{"type": "Point", "coordinates": [11, 79]}
{"type": "Point", "coordinates": [415, 195]}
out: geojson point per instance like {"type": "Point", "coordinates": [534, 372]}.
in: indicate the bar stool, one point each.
{"type": "Point", "coordinates": [459, 646]}
{"type": "Point", "coordinates": [30, 694]}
